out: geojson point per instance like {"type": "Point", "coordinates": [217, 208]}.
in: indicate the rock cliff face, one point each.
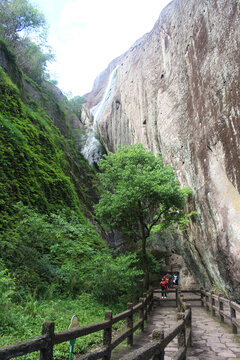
{"type": "Point", "coordinates": [177, 92]}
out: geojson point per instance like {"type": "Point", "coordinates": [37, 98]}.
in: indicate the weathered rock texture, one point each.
{"type": "Point", "coordinates": [177, 92]}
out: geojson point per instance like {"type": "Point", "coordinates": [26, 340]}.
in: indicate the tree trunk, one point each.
{"type": "Point", "coordinates": [145, 264]}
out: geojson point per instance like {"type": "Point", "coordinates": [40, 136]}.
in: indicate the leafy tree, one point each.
{"type": "Point", "coordinates": [18, 18]}
{"type": "Point", "coordinates": [140, 195]}
{"type": "Point", "coordinates": [25, 29]}
{"type": "Point", "coordinates": [33, 60]}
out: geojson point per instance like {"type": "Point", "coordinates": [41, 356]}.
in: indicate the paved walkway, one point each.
{"type": "Point", "coordinates": [211, 340]}
{"type": "Point", "coordinates": [161, 318]}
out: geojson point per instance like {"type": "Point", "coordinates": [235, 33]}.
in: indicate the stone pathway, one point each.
{"type": "Point", "coordinates": [211, 340]}
{"type": "Point", "coordinates": [161, 318]}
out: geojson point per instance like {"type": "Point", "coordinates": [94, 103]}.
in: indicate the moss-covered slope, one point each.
{"type": "Point", "coordinates": [38, 165]}
{"type": "Point", "coordinates": [43, 177]}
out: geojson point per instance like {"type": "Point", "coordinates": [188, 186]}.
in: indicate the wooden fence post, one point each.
{"type": "Point", "coordinates": [181, 302]}
{"type": "Point", "coordinates": [212, 305]}
{"type": "Point", "coordinates": [180, 295]}
{"type": "Point", "coordinates": [145, 306]}
{"type": "Point", "coordinates": [48, 330]}
{"type": "Point", "coordinates": [107, 335]}
{"type": "Point", "coordinates": [130, 324]}
{"type": "Point", "coordinates": [158, 335]}
{"type": "Point", "coordinates": [150, 294]}
{"type": "Point", "coordinates": [142, 313]}
{"type": "Point", "coordinates": [189, 322]}
{"type": "Point", "coordinates": [207, 300]}
{"type": "Point", "coordinates": [182, 334]}
{"type": "Point", "coordinates": [147, 302]}
{"type": "Point", "coordinates": [220, 306]}
{"type": "Point", "coordinates": [202, 296]}
{"type": "Point", "coordinates": [233, 316]}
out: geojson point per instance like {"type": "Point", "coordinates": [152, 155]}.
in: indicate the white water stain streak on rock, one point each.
{"type": "Point", "coordinates": [99, 109]}
{"type": "Point", "coordinates": [93, 149]}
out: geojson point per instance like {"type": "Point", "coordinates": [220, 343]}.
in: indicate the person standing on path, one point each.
{"type": "Point", "coordinates": [175, 279]}
{"type": "Point", "coordinates": [163, 284]}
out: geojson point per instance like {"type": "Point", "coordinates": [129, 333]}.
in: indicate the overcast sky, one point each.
{"type": "Point", "coordinates": [86, 35]}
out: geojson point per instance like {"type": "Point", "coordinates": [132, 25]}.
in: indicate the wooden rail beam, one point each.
{"type": "Point", "coordinates": [23, 348]}
{"type": "Point", "coordinates": [76, 333]}
{"type": "Point", "coordinates": [46, 342]}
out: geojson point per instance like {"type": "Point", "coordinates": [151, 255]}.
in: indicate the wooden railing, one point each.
{"type": "Point", "coordinates": [175, 291]}
{"type": "Point", "coordinates": [228, 311]}
{"type": "Point", "coordinates": [45, 343]}
{"type": "Point", "coordinates": [183, 331]}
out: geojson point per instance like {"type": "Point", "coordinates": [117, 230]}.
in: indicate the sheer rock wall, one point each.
{"type": "Point", "coordinates": [177, 92]}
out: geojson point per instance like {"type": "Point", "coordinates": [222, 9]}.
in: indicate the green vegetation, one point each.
{"type": "Point", "coordinates": [20, 23]}
{"type": "Point", "coordinates": [17, 16]}
{"type": "Point", "coordinates": [59, 267]}
{"type": "Point", "coordinates": [26, 321]}
{"type": "Point", "coordinates": [76, 105]}
{"type": "Point", "coordinates": [53, 262]}
{"type": "Point", "coordinates": [48, 253]}
{"type": "Point", "coordinates": [141, 196]}
{"type": "Point", "coordinates": [33, 163]}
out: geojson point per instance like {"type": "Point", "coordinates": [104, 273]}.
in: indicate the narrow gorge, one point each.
{"type": "Point", "coordinates": [176, 90]}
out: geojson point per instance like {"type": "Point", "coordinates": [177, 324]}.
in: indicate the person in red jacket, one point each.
{"type": "Point", "coordinates": [163, 284]}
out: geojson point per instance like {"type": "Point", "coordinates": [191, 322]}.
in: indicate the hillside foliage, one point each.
{"type": "Point", "coordinates": [50, 249]}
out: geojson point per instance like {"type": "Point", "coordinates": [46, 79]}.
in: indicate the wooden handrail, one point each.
{"type": "Point", "coordinates": [68, 335]}
{"type": "Point", "coordinates": [218, 305]}
{"type": "Point", "coordinates": [183, 330]}
{"type": "Point", "coordinates": [120, 316]}
{"type": "Point", "coordinates": [23, 348]}
{"type": "Point", "coordinates": [46, 342]}
{"type": "Point", "coordinates": [223, 308]}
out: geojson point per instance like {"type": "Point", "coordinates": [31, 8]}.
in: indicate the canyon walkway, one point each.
{"type": "Point", "coordinates": [211, 340]}
{"type": "Point", "coordinates": [214, 334]}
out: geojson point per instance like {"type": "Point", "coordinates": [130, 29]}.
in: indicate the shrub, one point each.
{"type": "Point", "coordinates": [47, 250]}
{"type": "Point", "coordinates": [7, 288]}
{"type": "Point", "coordinates": [113, 279]}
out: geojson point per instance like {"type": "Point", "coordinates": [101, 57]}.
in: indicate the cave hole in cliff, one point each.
{"type": "Point", "coordinates": [118, 103]}
{"type": "Point", "coordinates": [171, 263]}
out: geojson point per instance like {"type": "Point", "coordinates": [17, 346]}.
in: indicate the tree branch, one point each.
{"type": "Point", "coordinates": [155, 221]}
